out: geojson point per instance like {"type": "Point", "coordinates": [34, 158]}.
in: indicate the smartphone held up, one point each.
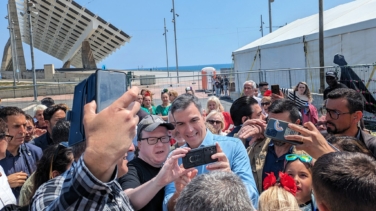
{"type": "Point", "coordinates": [277, 130]}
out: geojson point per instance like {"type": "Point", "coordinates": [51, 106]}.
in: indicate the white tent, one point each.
{"type": "Point", "coordinates": [349, 29]}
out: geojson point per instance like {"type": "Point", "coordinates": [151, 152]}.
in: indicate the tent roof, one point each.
{"type": "Point", "coordinates": [60, 27]}
{"type": "Point", "coordinates": [359, 11]}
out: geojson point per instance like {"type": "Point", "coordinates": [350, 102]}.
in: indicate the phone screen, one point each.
{"type": "Point", "coordinates": [110, 86]}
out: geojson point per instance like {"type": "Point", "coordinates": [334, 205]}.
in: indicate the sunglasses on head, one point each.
{"type": "Point", "coordinates": [266, 103]}
{"type": "Point", "coordinates": [164, 91]}
{"type": "Point", "coordinates": [213, 121]}
{"type": "Point", "coordinates": [303, 158]}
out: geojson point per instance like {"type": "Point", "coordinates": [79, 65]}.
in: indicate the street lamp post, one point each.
{"type": "Point", "coordinates": [165, 35]}
{"type": "Point", "coordinates": [270, 15]}
{"type": "Point", "coordinates": [176, 45]}
{"type": "Point", "coordinates": [30, 4]}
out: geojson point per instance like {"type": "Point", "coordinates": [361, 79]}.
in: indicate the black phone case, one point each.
{"type": "Point", "coordinates": [275, 89]}
{"type": "Point", "coordinates": [199, 156]}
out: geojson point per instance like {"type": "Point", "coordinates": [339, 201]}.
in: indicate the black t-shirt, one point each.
{"type": "Point", "coordinates": [329, 89]}
{"type": "Point", "coordinates": [140, 172]}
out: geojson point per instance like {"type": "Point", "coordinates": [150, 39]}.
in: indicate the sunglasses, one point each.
{"type": "Point", "coordinates": [267, 103]}
{"type": "Point", "coordinates": [213, 121]}
{"type": "Point", "coordinates": [303, 158]}
{"type": "Point", "coordinates": [164, 91]}
{"type": "Point", "coordinates": [5, 137]}
{"type": "Point", "coordinates": [62, 145]}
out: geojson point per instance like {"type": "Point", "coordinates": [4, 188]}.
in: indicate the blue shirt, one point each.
{"type": "Point", "coordinates": [273, 163]}
{"type": "Point", "coordinates": [239, 164]}
{"type": "Point", "coordinates": [26, 161]}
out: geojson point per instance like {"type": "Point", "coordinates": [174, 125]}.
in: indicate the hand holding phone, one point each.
{"type": "Point", "coordinates": [277, 130]}
{"type": "Point", "coordinates": [275, 89]}
{"type": "Point", "coordinates": [199, 156]}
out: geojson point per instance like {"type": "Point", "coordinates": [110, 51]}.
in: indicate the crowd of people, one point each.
{"type": "Point", "coordinates": [132, 157]}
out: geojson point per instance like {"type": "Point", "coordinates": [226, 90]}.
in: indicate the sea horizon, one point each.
{"type": "Point", "coordinates": [187, 68]}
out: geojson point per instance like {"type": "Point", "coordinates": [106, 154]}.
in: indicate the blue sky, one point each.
{"type": "Point", "coordinates": [207, 30]}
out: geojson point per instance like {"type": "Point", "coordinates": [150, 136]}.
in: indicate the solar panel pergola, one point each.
{"type": "Point", "coordinates": [60, 27]}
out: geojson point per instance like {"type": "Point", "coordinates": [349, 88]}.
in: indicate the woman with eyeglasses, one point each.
{"type": "Point", "coordinates": [213, 104]}
{"type": "Point", "coordinates": [55, 161]}
{"type": "Point", "coordinates": [162, 110]}
{"type": "Point", "coordinates": [215, 119]}
{"type": "Point", "coordinates": [147, 103]}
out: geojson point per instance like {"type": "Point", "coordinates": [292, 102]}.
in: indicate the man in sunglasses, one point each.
{"type": "Point", "coordinates": [344, 110]}
{"type": "Point", "coordinates": [144, 183]}
{"type": "Point", "coordinates": [6, 195]}
{"type": "Point", "coordinates": [267, 155]}
{"type": "Point", "coordinates": [21, 158]}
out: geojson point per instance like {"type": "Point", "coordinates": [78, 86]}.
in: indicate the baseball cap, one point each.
{"type": "Point", "coordinates": [331, 74]}
{"type": "Point", "coordinates": [150, 122]}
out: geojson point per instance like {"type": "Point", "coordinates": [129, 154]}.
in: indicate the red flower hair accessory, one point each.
{"type": "Point", "coordinates": [147, 94]}
{"type": "Point", "coordinates": [284, 180]}
{"type": "Point", "coordinates": [267, 93]}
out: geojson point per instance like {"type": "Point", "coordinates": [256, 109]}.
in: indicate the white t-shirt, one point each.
{"type": "Point", "coordinates": [6, 194]}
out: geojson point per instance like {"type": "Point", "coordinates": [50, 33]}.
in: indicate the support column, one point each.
{"type": "Point", "coordinates": [66, 64]}
{"type": "Point", "coordinates": [88, 61]}
{"type": "Point", "coordinates": [17, 36]}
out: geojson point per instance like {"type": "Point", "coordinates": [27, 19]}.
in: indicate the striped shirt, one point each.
{"type": "Point", "coordinates": [290, 95]}
{"type": "Point", "coordinates": [78, 189]}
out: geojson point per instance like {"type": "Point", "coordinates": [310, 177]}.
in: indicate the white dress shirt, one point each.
{"type": "Point", "coordinates": [6, 194]}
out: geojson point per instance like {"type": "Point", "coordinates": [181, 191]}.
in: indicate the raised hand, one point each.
{"type": "Point", "coordinates": [109, 133]}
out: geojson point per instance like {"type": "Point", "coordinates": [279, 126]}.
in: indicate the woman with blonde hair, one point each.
{"type": "Point", "coordinates": [172, 94]}
{"type": "Point", "coordinates": [300, 95]}
{"type": "Point", "coordinates": [213, 104]}
{"type": "Point", "coordinates": [216, 120]}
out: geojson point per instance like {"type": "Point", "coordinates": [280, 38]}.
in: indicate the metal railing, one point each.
{"type": "Point", "coordinates": [156, 81]}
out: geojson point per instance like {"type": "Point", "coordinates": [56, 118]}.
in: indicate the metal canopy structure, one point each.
{"type": "Point", "coordinates": [60, 27]}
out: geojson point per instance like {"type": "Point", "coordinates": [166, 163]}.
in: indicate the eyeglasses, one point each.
{"type": "Point", "coordinates": [5, 137]}
{"type": "Point", "coordinates": [213, 121]}
{"type": "Point", "coordinates": [154, 140]}
{"type": "Point", "coordinates": [335, 114]}
{"type": "Point", "coordinates": [266, 103]}
{"type": "Point", "coordinates": [303, 158]}
{"type": "Point", "coordinates": [62, 145]}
